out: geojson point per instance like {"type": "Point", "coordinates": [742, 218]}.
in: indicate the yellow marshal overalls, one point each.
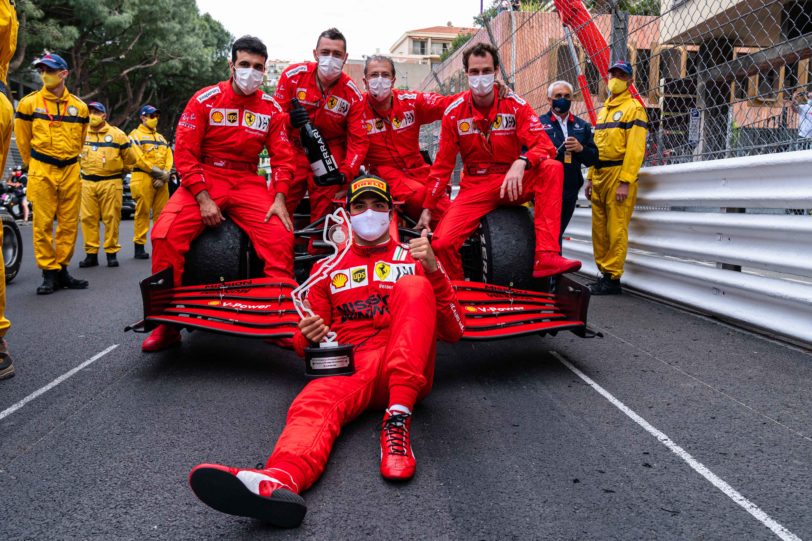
{"type": "Point", "coordinates": [156, 152]}
{"type": "Point", "coordinates": [50, 134]}
{"type": "Point", "coordinates": [620, 136]}
{"type": "Point", "coordinates": [106, 154]}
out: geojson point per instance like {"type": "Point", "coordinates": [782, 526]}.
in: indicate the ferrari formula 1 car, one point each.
{"type": "Point", "coordinates": [224, 290]}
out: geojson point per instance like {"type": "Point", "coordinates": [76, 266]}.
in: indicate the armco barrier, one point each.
{"type": "Point", "coordinates": [675, 254]}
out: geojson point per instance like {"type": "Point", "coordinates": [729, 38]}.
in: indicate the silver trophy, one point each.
{"type": "Point", "coordinates": [328, 358]}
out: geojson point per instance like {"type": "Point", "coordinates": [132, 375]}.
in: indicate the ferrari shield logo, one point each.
{"type": "Point", "coordinates": [250, 118]}
{"type": "Point", "coordinates": [382, 271]}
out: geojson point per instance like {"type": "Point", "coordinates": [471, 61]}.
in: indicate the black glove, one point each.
{"type": "Point", "coordinates": [298, 118]}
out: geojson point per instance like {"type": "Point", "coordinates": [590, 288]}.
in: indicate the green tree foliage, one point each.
{"type": "Point", "coordinates": [633, 7]}
{"type": "Point", "coordinates": [125, 53]}
{"type": "Point", "coordinates": [456, 43]}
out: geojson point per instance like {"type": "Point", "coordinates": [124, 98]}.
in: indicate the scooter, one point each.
{"type": "Point", "coordinates": [11, 198]}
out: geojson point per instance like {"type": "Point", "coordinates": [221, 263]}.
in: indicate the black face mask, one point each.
{"type": "Point", "coordinates": [561, 105]}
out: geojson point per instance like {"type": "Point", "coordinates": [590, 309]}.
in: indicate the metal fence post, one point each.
{"type": "Point", "coordinates": [620, 35]}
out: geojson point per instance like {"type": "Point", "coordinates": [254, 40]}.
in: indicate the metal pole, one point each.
{"type": "Point", "coordinates": [620, 35]}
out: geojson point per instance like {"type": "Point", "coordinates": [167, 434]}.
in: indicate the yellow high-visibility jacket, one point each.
{"type": "Point", "coordinates": [620, 135]}
{"type": "Point", "coordinates": [51, 125]}
{"type": "Point", "coordinates": [154, 148]}
{"type": "Point", "coordinates": [107, 153]}
{"type": "Point", "coordinates": [8, 37]}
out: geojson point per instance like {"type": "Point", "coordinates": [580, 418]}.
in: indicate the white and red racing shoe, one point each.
{"type": "Point", "coordinates": [268, 495]}
{"type": "Point", "coordinates": [397, 459]}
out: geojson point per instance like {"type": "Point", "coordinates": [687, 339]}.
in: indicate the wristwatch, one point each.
{"type": "Point", "coordinates": [525, 160]}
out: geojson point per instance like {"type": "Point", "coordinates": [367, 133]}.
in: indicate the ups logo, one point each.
{"type": "Point", "coordinates": [359, 276]}
{"type": "Point", "coordinates": [232, 117]}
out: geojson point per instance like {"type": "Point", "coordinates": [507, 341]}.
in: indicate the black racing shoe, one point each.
{"type": "Point", "coordinates": [66, 281]}
{"type": "Point", "coordinates": [6, 362]}
{"type": "Point", "coordinates": [111, 260]}
{"type": "Point", "coordinates": [255, 493]}
{"type": "Point", "coordinates": [91, 260]}
{"type": "Point", "coordinates": [140, 252]}
{"type": "Point", "coordinates": [49, 282]}
{"type": "Point", "coordinates": [606, 286]}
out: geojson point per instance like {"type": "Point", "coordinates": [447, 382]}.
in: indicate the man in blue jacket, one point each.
{"type": "Point", "coordinates": [572, 136]}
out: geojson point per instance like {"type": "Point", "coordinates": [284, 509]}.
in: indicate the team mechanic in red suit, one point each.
{"type": "Point", "coordinates": [489, 132]}
{"type": "Point", "coordinates": [392, 119]}
{"type": "Point", "coordinates": [218, 141]}
{"type": "Point", "coordinates": [391, 301]}
{"type": "Point", "coordinates": [334, 104]}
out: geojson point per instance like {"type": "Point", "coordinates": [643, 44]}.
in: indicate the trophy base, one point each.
{"type": "Point", "coordinates": [329, 359]}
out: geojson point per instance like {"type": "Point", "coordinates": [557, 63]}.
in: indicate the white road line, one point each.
{"type": "Point", "coordinates": [42, 390]}
{"type": "Point", "coordinates": [700, 468]}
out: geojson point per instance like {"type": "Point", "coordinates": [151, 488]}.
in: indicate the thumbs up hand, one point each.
{"type": "Point", "coordinates": [420, 250]}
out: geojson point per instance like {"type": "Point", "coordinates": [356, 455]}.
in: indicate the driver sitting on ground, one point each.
{"type": "Point", "coordinates": [391, 301]}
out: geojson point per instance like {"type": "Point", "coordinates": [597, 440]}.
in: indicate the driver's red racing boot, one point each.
{"type": "Point", "coordinates": [397, 459]}
{"type": "Point", "coordinates": [163, 337]}
{"type": "Point", "coordinates": [552, 264]}
{"type": "Point", "coordinates": [267, 495]}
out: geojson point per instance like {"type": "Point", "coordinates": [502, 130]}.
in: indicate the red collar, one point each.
{"type": "Point", "coordinates": [554, 117]}
{"type": "Point", "coordinates": [366, 251]}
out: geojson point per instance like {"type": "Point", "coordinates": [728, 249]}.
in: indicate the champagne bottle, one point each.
{"type": "Point", "coordinates": [322, 162]}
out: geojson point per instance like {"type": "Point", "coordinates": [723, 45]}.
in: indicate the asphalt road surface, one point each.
{"type": "Point", "coordinates": [670, 426]}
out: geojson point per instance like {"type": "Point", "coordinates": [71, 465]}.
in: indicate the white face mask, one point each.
{"type": "Point", "coordinates": [370, 225]}
{"type": "Point", "coordinates": [248, 79]}
{"type": "Point", "coordinates": [330, 67]}
{"type": "Point", "coordinates": [481, 85]}
{"type": "Point", "coordinates": [380, 87]}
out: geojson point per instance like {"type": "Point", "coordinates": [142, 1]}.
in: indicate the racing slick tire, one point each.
{"type": "Point", "coordinates": [12, 246]}
{"type": "Point", "coordinates": [219, 254]}
{"type": "Point", "coordinates": [506, 241]}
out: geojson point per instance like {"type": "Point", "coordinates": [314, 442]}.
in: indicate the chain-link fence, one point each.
{"type": "Point", "coordinates": [718, 78]}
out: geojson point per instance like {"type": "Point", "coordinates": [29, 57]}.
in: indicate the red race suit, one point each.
{"type": "Point", "coordinates": [394, 146]}
{"type": "Point", "coordinates": [218, 141]}
{"type": "Point", "coordinates": [382, 301]}
{"type": "Point", "coordinates": [337, 115]}
{"type": "Point", "coordinates": [489, 145]}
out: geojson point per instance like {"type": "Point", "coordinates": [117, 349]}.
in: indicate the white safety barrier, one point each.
{"type": "Point", "coordinates": [674, 254]}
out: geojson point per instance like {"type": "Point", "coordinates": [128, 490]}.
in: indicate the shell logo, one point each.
{"type": "Point", "coordinates": [214, 303]}
{"type": "Point", "coordinates": [464, 127]}
{"type": "Point", "coordinates": [368, 126]}
{"type": "Point", "coordinates": [340, 280]}
{"type": "Point", "coordinates": [300, 95]}
{"type": "Point", "coordinates": [470, 309]}
{"type": "Point", "coordinates": [217, 116]}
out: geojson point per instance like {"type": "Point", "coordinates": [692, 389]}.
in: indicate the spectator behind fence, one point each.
{"type": "Point", "coordinates": [802, 105]}
{"type": "Point", "coordinates": [572, 137]}
{"type": "Point", "coordinates": [620, 136]}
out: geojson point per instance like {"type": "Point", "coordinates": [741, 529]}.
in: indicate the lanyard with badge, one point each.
{"type": "Point", "coordinates": [52, 122]}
